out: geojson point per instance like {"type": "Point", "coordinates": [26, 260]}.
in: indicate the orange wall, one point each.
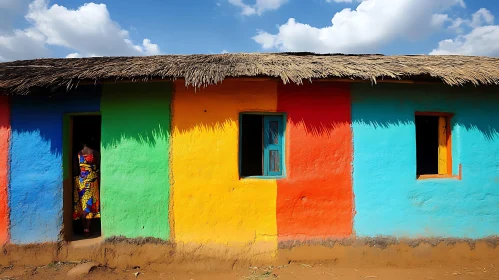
{"type": "Point", "coordinates": [4, 167]}
{"type": "Point", "coordinates": [211, 204]}
{"type": "Point", "coordinates": [315, 200]}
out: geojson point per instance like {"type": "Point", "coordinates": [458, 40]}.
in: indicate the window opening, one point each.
{"type": "Point", "coordinates": [262, 145]}
{"type": "Point", "coordinates": [433, 154]}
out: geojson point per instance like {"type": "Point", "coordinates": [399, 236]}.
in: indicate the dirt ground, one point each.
{"type": "Point", "coordinates": [58, 271]}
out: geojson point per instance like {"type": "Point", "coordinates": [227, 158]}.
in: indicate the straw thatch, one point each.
{"type": "Point", "coordinates": [19, 77]}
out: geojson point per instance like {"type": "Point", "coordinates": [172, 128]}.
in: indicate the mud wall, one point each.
{"type": "Point", "coordinates": [389, 200]}
{"type": "Point", "coordinates": [210, 198]}
{"type": "Point", "coordinates": [36, 177]}
{"type": "Point", "coordinates": [315, 200]}
{"type": "Point", "coordinates": [135, 172]}
{"type": "Point", "coordinates": [211, 204]}
{"type": "Point", "coordinates": [4, 168]}
{"type": "Point", "coordinates": [170, 165]}
{"type": "Point", "coordinates": [164, 256]}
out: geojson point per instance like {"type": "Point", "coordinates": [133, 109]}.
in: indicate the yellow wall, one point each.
{"type": "Point", "coordinates": [210, 203]}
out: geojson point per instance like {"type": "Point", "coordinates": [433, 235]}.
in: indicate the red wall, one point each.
{"type": "Point", "coordinates": [4, 168]}
{"type": "Point", "coordinates": [315, 201]}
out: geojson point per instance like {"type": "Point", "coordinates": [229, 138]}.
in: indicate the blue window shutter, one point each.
{"type": "Point", "coordinates": [273, 130]}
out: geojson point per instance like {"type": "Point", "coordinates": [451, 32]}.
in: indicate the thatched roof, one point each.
{"type": "Point", "coordinates": [19, 77]}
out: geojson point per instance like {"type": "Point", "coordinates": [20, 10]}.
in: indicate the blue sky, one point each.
{"type": "Point", "coordinates": [212, 26]}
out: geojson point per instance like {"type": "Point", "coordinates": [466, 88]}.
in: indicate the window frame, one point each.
{"type": "Point", "coordinates": [447, 117]}
{"type": "Point", "coordinates": [282, 117]}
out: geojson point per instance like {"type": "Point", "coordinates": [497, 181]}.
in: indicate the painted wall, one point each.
{"type": "Point", "coordinates": [4, 168]}
{"type": "Point", "coordinates": [388, 198]}
{"type": "Point", "coordinates": [315, 200]}
{"type": "Point", "coordinates": [323, 196]}
{"type": "Point", "coordinates": [135, 172]}
{"type": "Point", "coordinates": [36, 179]}
{"type": "Point", "coordinates": [210, 203]}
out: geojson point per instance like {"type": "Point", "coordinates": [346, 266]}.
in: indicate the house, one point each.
{"type": "Point", "coordinates": [238, 150]}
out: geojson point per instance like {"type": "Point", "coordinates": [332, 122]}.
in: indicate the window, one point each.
{"type": "Point", "coordinates": [433, 145]}
{"type": "Point", "coordinates": [261, 150]}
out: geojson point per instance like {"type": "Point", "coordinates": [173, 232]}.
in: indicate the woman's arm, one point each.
{"type": "Point", "coordinates": [97, 158]}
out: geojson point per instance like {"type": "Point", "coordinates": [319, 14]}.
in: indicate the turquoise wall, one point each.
{"type": "Point", "coordinates": [389, 200]}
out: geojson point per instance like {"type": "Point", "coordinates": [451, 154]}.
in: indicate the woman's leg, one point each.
{"type": "Point", "coordinates": [82, 218]}
{"type": "Point", "coordinates": [88, 223]}
{"type": "Point", "coordinates": [86, 226]}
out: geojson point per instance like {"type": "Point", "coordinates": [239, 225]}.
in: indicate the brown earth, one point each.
{"type": "Point", "coordinates": [378, 258]}
{"type": "Point", "coordinates": [156, 255]}
{"type": "Point", "coordinates": [58, 271]}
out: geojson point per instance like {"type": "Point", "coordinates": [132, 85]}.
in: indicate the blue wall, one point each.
{"type": "Point", "coordinates": [389, 200]}
{"type": "Point", "coordinates": [36, 180]}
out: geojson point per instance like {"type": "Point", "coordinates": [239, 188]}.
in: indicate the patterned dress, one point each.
{"type": "Point", "coordinates": [86, 190]}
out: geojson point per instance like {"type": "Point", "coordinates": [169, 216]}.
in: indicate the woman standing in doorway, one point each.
{"type": "Point", "coordinates": [86, 190]}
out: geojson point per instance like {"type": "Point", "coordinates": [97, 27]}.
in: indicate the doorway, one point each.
{"type": "Point", "coordinates": [82, 128]}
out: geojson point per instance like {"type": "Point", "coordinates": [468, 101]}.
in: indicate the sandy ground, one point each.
{"type": "Point", "coordinates": [474, 271]}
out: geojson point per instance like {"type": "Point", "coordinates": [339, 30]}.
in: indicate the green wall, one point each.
{"type": "Point", "coordinates": [135, 175]}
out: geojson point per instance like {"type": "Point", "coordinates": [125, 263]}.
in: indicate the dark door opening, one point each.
{"type": "Point", "coordinates": [85, 129]}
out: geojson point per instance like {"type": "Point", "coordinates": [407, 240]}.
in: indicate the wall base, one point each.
{"type": "Point", "coordinates": [160, 256]}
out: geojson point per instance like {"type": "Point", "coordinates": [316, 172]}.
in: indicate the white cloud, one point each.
{"type": "Point", "coordinates": [481, 17]}
{"type": "Point", "coordinates": [372, 24]}
{"type": "Point", "coordinates": [150, 48]}
{"type": "Point", "coordinates": [88, 31]}
{"type": "Point", "coordinates": [259, 7]}
{"type": "Point", "coordinates": [437, 20]}
{"type": "Point", "coordinates": [18, 44]}
{"type": "Point", "coordinates": [482, 39]}
{"type": "Point", "coordinates": [245, 9]}
{"type": "Point", "coordinates": [23, 44]}
{"type": "Point", "coordinates": [74, 55]}
{"type": "Point", "coordinates": [456, 25]}
{"type": "Point", "coordinates": [9, 11]}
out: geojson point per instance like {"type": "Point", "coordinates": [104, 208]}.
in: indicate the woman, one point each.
{"type": "Point", "coordinates": [86, 190]}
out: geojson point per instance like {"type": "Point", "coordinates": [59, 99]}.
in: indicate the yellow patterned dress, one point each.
{"type": "Point", "coordinates": [86, 190]}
